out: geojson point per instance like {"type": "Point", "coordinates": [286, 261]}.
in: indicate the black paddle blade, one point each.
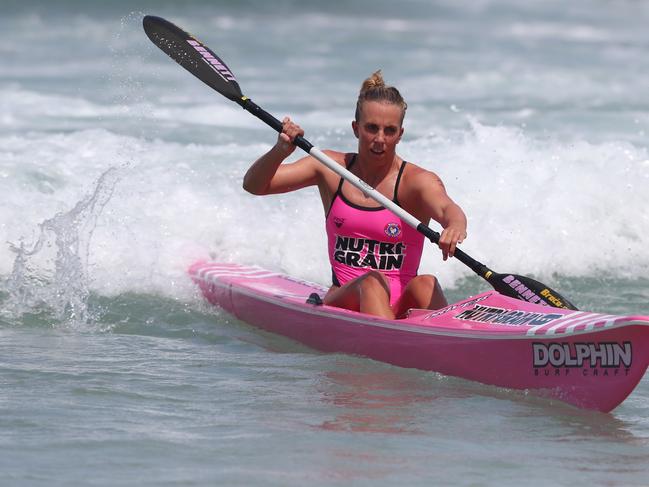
{"type": "Point", "coordinates": [527, 289]}
{"type": "Point", "coordinates": [192, 55]}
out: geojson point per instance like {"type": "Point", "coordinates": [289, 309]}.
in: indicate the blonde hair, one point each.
{"type": "Point", "coordinates": [374, 89]}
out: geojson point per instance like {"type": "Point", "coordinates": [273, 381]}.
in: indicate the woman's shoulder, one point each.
{"type": "Point", "coordinates": [419, 178]}
{"type": "Point", "coordinates": [415, 171]}
{"type": "Point", "coordinates": [342, 158]}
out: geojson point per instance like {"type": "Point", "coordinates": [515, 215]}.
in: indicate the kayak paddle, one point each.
{"type": "Point", "coordinates": [199, 60]}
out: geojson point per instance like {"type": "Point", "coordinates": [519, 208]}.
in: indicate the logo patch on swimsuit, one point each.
{"type": "Point", "coordinates": [339, 222]}
{"type": "Point", "coordinates": [367, 253]}
{"type": "Point", "coordinates": [393, 230]}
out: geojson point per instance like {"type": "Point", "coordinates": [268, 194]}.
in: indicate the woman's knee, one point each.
{"type": "Point", "coordinates": [426, 283]}
{"type": "Point", "coordinates": [425, 292]}
{"type": "Point", "coordinates": [375, 284]}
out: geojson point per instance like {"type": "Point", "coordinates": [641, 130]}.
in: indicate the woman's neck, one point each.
{"type": "Point", "coordinates": [373, 172]}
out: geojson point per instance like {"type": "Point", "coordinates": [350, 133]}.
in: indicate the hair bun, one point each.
{"type": "Point", "coordinates": [374, 81]}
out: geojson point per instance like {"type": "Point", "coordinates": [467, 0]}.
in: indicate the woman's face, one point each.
{"type": "Point", "coordinates": [378, 130]}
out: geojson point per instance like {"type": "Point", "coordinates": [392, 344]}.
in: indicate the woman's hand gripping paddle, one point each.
{"type": "Point", "coordinates": [199, 60]}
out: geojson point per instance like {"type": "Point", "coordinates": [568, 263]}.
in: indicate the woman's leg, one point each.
{"type": "Point", "coordinates": [369, 293]}
{"type": "Point", "coordinates": [422, 292]}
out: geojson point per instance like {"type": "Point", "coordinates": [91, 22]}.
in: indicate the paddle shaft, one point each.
{"type": "Point", "coordinates": [477, 267]}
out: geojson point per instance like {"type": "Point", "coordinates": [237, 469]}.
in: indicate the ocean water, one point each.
{"type": "Point", "coordinates": [118, 169]}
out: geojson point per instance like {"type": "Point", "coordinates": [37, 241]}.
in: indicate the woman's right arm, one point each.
{"type": "Point", "coordinates": [267, 175]}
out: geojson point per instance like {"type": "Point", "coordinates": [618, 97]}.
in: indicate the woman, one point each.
{"type": "Point", "coordinates": [374, 255]}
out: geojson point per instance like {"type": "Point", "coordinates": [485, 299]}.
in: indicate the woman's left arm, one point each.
{"type": "Point", "coordinates": [438, 205]}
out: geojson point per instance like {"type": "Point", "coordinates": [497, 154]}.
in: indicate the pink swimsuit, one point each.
{"type": "Point", "coordinates": [365, 238]}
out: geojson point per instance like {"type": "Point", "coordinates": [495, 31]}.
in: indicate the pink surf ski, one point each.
{"type": "Point", "coordinates": [589, 360]}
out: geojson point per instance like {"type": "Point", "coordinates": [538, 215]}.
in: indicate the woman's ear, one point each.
{"type": "Point", "coordinates": [355, 128]}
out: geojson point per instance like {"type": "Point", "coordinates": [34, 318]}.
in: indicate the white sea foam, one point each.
{"type": "Point", "coordinates": [534, 206]}
{"type": "Point", "coordinates": [546, 206]}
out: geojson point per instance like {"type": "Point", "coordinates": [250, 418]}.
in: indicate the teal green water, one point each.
{"type": "Point", "coordinates": [118, 170]}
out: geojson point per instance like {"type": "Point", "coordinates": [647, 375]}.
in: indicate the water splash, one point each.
{"type": "Point", "coordinates": [56, 287]}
